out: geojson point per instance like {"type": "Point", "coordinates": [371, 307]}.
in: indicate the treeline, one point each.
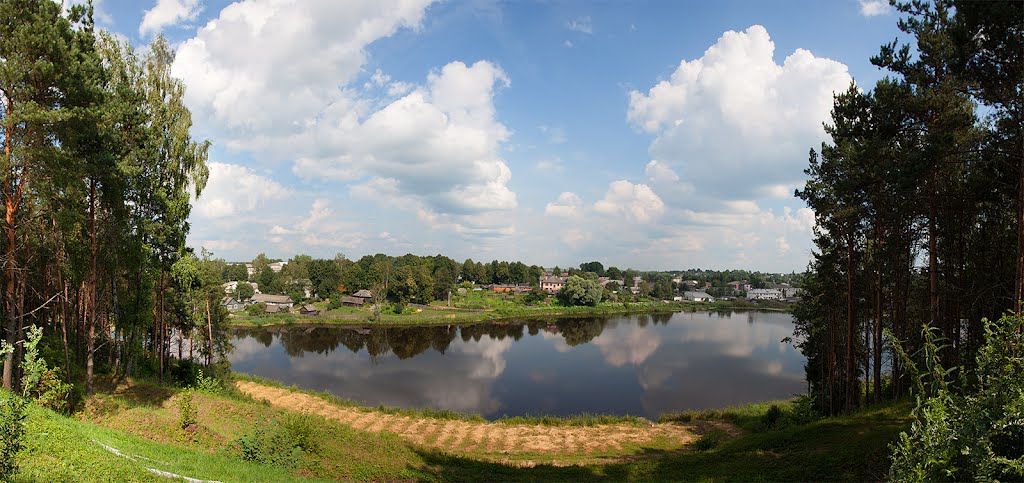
{"type": "Point", "coordinates": [919, 202]}
{"type": "Point", "coordinates": [96, 174]}
{"type": "Point", "coordinates": [422, 279]}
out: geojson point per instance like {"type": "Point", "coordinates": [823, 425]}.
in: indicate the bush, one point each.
{"type": "Point", "coordinates": [12, 428]}
{"type": "Point", "coordinates": [256, 309]}
{"type": "Point", "coordinates": [41, 382]}
{"type": "Point", "coordinates": [186, 409]}
{"type": "Point", "coordinates": [272, 446]}
{"type": "Point", "coordinates": [301, 431]}
{"type": "Point", "coordinates": [211, 384]}
{"type": "Point", "coordinates": [771, 417]}
{"type": "Point", "coordinates": [710, 440]}
{"type": "Point", "coordinates": [967, 431]}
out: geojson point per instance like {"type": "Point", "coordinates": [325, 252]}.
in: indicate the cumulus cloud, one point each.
{"type": "Point", "coordinates": [657, 171]}
{"type": "Point", "coordinates": [436, 144]}
{"type": "Point", "coordinates": [874, 8]}
{"type": "Point", "coordinates": [568, 205]}
{"type": "Point", "coordinates": [733, 120]}
{"type": "Point", "coordinates": [631, 202]}
{"type": "Point", "coordinates": [232, 190]}
{"type": "Point", "coordinates": [168, 12]}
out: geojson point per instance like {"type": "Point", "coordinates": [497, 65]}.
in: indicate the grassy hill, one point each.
{"type": "Point", "coordinates": [132, 432]}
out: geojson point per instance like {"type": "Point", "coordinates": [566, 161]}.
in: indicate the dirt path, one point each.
{"type": "Point", "coordinates": [494, 441]}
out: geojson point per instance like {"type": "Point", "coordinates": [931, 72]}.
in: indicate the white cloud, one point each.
{"type": "Point", "coordinates": [782, 245]}
{"type": "Point", "coordinates": [232, 190]}
{"type": "Point", "coordinates": [632, 202]}
{"type": "Point", "coordinates": [168, 12]}
{"type": "Point", "coordinates": [438, 144]}
{"type": "Point", "coordinates": [733, 120]}
{"type": "Point", "coordinates": [657, 171]}
{"type": "Point", "coordinates": [873, 8]}
{"type": "Point", "coordinates": [581, 24]}
{"type": "Point", "coordinates": [568, 205]}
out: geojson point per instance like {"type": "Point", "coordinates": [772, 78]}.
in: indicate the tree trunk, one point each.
{"type": "Point", "coordinates": [851, 373]}
{"type": "Point", "coordinates": [91, 342]}
{"type": "Point", "coordinates": [11, 207]}
{"type": "Point", "coordinates": [209, 328]}
{"type": "Point", "coordinates": [1018, 292]}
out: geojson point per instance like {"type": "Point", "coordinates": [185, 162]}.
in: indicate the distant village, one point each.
{"type": "Point", "coordinates": [300, 301]}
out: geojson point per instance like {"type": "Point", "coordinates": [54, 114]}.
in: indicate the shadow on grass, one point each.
{"type": "Point", "coordinates": [852, 448]}
{"type": "Point", "coordinates": [143, 394]}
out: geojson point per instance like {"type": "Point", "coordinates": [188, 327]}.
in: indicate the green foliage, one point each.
{"type": "Point", "coordinates": [12, 428]}
{"type": "Point", "coordinates": [579, 291]}
{"type": "Point", "coordinates": [967, 430]}
{"type": "Point", "coordinates": [208, 384]}
{"type": "Point", "coordinates": [271, 445]}
{"type": "Point", "coordinates": [186, 409]}
{"type": "Point", "coordinates": [40, 382]}
{"type": "Point", "coordinates": [256, 309]}
{"type": "Point", "coordinates": [244, 290]}
{"type": "Point", "coordinates": [710, 440]}
{"type": "Point", "coordinates": [771, 417]}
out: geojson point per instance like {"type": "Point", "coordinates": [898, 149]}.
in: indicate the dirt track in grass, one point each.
{"type": "Point", "coordinates": [518, 444]}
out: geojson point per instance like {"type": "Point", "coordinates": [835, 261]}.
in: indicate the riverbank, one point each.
{"type": "Point", "coordinates": [428, 315]}
{"type": "Point", "coordinates": [141, 421]}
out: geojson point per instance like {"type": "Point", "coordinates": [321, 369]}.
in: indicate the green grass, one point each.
{"type": "Point", "coordinates": [58, 448]}
{"type": "Point", "coordinates": [848, 448]}
{"type": "Point", "coordinates": [143, 422]}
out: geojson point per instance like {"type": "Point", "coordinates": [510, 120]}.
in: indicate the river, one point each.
{"type": "Point", "coordinates": [642, 365]}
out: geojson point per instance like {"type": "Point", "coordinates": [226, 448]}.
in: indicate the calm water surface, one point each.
{"type": "Point", "coordinates": [641, 365]}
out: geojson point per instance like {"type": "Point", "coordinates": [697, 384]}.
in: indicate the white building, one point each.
{"type": "Point", "coordinates": [764, 294]}
{"type": "Point", "coordinates": [698, 297]}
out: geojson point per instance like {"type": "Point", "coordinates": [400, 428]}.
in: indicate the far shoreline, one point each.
{"type": "Point", "coordinates": [470, 316]}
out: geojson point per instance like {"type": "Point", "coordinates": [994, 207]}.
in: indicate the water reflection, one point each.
{"type": "Point", "coordinates": [644, 365]}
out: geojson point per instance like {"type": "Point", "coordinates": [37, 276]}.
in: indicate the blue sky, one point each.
{"type": "Point", "coordinates": [652, 134]}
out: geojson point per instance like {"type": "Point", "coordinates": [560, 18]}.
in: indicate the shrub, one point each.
{"type": "Point", "coordinates": [256, 309]}
{"type": "Point", "coordinates": [710, 440]}
{"type": "Point", "coordinates": [186, 409]}
{"type": "Point", "coordinates": [40, 382]}
{"type": "Point", "coordinates": [12, 427]}
{"type": "Point", "coordinates": [967, 431]}
{"type": "Point", "coordinates": [273, 446]}
{"type": "Point", "coordinates": [211, 384]}
{"type": "Point", "coordinates": [771, 417]}
{"type": "Point", "coordinates": [301, 431]}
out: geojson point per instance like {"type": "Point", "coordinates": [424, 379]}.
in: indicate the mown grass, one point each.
{"type": "Point", "coordinates": [584, 419]}
{"type": "Point", "coordinates": [848, 448]}
{"type": "Point", "coordinates": [431, 413]}
{"type": "Point", "coordinates": [143, 421]}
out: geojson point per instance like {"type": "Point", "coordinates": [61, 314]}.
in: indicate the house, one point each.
{"type": "Point", "coordinates": [352, 301]}
{"type": "Point", "coordinates": [604, 281]}
{"type": "Point", "coordinates": [272, 309]}
{"type": "Point", "coordinates": [232, 304]}
{"type": "Point", "coordinates": [764, 294]}
{"type": "Point", "coordinates": [276, 266]}
{"type": "Point", "coordinates": [698, 297]}
{"type": "Point", "coordinates": [363, 294]}
{"type": "Point", "coordinates": [308, 310]}
{"type": "Point", "coordinates": [282, 301]}
{"type": "Point", "coordinates": [506, 288]}
{"type": "Point", "coordinates": [552, 283]}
